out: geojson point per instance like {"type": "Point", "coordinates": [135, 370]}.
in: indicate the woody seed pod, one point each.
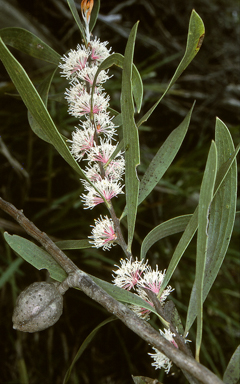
{"type": "Point", "coordinates": [38, 307]}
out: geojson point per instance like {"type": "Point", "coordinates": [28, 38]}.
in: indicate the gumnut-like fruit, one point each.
{"type": "Point", "coordinates": [38, 307]}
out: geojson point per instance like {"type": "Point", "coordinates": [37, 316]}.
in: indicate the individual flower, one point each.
{"type": "Point", "coordinates": [152, 280]}
{"type": "Point", "coordinates": [115, 169]}
{"type": "Point", "coordinates": [129, 273]}
{"type": "Point", "coordinates": [74, 62]}
{"type": "Point", "coordinates": [168, 335]}
{"type": "Point", "coordinates": [93, 173]}
{"type": "Point", "coordinates": [103, 233]}
{"type": "Point", "coordinates": [104, 124]}
{"type": "Point", "coordinates": [160, 360]}
{"type": "Point", "coordinates": [99, 52]}
{"type": "Point", "coordinates": [88, 73]}
{"type": "Point", "coordinates": [80, 105]}
{"type": "Point", "coordinates": [107, 188]}
{"type": "Point", "coordinates": [102, 152]}
{"type": "Point", "coordinates": [82, 141]}
{"type": "Point", "coordinates": [76, 91]}
{"type": "Point", "coordinates": [113, 172]}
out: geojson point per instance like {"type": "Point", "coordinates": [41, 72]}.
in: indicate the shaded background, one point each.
{"type": "Point", "coordinates": [36, 179]}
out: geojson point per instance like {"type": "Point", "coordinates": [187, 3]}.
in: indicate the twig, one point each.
{"type": "Point", "coordinates": [81, 280]}
{"type": "Point", "coordinates": [43, 239]}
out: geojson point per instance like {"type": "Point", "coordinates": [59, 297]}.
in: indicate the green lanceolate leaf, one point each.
{"type": "Point", "coordinates": [170, 227]}
{"type": "Point", "coordinates": [180, 249]}
{"type": "Point", "coordinates": [196, 33]}
{"type": "Point", "coordinates": [73, 244]}
{"type": "Point", "coordinates": [36, 107]}
{"type": "Point", "coordinates": [137, 86]}
{"type": "Point", "coordinates": [130, 137]}
{"type": "Point", "coordinates": [222, 214]}
{"type": "Point", "coordinates": [232, 373]}
{"type": "Point", "coordinates": [84, 345]}
{"type": "Point", "coordinates": [163, 159]}
{"type": "Point", "coordinates": [94, 14]}
{"type": "Point", "coordinates": [76, 17]}
{"type": "Point", "coordinates": [205, 199]}
{"type": "Point", "coordinates": [35, 256]}
{"type": "Point", "coordinates": [27, 42]}
{"type": "Point", "coordinates": [43, 90]}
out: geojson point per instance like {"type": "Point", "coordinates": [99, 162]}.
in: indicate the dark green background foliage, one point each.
{"type": "Point", "coordinates": [36, 179]}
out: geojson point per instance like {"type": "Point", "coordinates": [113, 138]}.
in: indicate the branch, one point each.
{"type": "Point", "coordinates": [41, 237]}
{"type": "Point", "coordinates": [142, 328]}
{"type": "Point", "coordinates": [81, 280]}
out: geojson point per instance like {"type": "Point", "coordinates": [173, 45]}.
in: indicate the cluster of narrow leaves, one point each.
{"type": "Point", "coordinates": [214, 217]}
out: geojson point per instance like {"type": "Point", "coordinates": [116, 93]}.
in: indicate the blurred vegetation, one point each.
{"type": "Point", "coordinates": [36, 179]}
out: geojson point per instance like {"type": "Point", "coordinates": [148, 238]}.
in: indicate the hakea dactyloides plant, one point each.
{"type": "Point", "coordinates": [94, 141]}
{"type": "Point", "coordinates": [107, 169]}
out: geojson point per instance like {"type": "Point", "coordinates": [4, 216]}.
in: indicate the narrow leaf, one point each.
{"type": "Point", "coordinates": [73, 244]}
{"type": "Point", "coordinates": [27, 42]}
{"type": "Point", "coordinates": [76, 17]}
{"type": "Point", "coordinates": [232, 373]}
{"type": "Point", "coordinates": [205, 199]}
{"type": "Point", "coordinates": [35, 256]}
{"type": "Point", "coordinates": [43, 90]}
{"type": "Point", "coordinates": [163, 159]}
{"type": "Point", "coordinates": [85, 345]}
{"type": "Point", "coordinates": [196, 33]}
{"type": "Point", "coordinates": [180, 249]}
{"type": "Point", "coordinates": [130, 137]}
{"type": "Point", "coordinates": [222, 214]}
{"type": "Point", "coordinates": [170, 227]}
{"type": "Point", "coordinates": [94, 14]}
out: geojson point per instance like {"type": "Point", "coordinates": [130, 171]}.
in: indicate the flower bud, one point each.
{"type": "Point", "coordinates": [38, 307]}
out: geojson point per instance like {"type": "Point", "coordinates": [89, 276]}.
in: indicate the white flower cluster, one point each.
{"type": "Point", "coordinates": [140, 277]}
{"type": "Point", "coordinates": [92, 139]}
{"type": "Point", "coordinates": [160, 360]}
